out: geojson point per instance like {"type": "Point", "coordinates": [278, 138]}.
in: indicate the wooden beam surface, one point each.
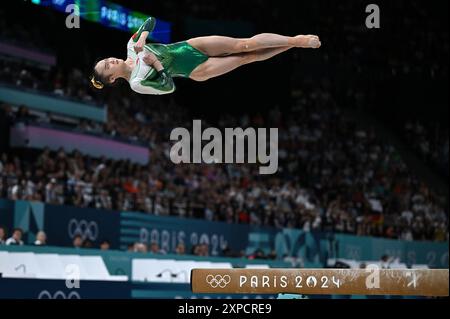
{"type": "Point", "coordinates": [370, 281]}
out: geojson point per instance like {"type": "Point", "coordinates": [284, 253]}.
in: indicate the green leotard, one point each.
{"type": "Point", "coordinates": [178, 59]}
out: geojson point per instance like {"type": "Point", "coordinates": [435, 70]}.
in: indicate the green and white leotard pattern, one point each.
{"type": "Point", "coordinates": [178, 59]}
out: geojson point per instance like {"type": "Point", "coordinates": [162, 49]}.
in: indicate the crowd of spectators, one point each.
{"type": "Point", "coordinates": [16, 237]}
{"type": "Point", "coordinates": [430, 141]}
{"type": "Point", "coordinates": [333, 175]}
{"type": "Point", "coordinates": [78, 242]}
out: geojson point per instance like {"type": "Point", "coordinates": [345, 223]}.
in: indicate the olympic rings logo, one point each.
{"type": "Point", "coordinates": [218, 281]}
{"type": "Point", "coordinates": [45, 294]}
{"type": "Point", "coordinates": [83, 228]}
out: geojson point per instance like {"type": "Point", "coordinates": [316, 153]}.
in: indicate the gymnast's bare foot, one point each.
{"type": "Point", "coordinates": [307, 41]}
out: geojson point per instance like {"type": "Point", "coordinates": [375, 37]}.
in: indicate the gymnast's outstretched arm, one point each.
{"type": "Point", "coordinates": [138, 39]}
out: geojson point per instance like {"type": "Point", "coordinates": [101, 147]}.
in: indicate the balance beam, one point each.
{"type": "Point", "coordinates": [369, 281]}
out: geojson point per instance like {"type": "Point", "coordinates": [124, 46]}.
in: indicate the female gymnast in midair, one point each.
{"type": "Point", "coordinates": [150, 68]}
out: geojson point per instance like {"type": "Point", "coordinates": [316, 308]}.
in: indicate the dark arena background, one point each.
{"type": "Point", "coordinates": [93, 207]}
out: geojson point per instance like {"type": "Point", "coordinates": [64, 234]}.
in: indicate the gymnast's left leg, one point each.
{"type": "Point", "coordinates": [219, 46]}
{"type": "Point", "coordinates": [217, 66]}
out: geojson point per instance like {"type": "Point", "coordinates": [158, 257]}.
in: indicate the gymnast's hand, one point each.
{"type": "Point", "coordinates": [139, 46]}
{"type": "Point", "coordinates": [150, 59]}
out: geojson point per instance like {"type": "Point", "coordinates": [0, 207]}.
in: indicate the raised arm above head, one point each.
{"type": "Point", "coordinates": [139, 38]}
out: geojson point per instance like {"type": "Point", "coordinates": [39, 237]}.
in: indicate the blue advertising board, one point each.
{"type": "Point", "coordinates": [316, 247]}
{"type": "Point", "coordinates": [110, 15]}
{"type": "Point", "coordinates": [62, 223]}
{"type": "Point", "coordinates": [56, 289]}
{"type": "Point", "coordinates": [168, 232]}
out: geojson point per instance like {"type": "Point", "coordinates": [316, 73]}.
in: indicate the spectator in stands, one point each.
{"type": "Point", "coordinates": [272, 255]}
{"type": "Point", "coordinates": [51, 192]}
{"type": "Point", "coordinates": [41, 239]}
{"type": "Point", "coordinates": [181, 249]}
{"type": "Point", "coordinates": [385, 262]}
{"type": "Point", "coordinates": [441, 233]}
{"type": "Point", "coordinates": [105, 245]}
{"type": "Point", "coordinates": [200, 250]}
{"type": "Point", "coordinates": [16, 238]}
{"type": "Point", "coordinates": [196, 250]}
{"type": "Point", "coordinates": [204, 250]}
{"type": "Point", "coordinates": [155, 249]}
{"type": "Point", "coordinates": [3, 235]}
{"type": "Point", "coordinates": [140, 248]}
{"type": "Point", "coordinates": [77, 241]}
{"type": "Point", "coordinates": [130, 248]}
{"type": "Point", "coordinates": [228, 252]}
{"type": "Point", "coordinates": [88, 244]}
{"type": "Point", "coordinates": [257, 254]}
{"type": "Point", "coordinates": [23, 114]}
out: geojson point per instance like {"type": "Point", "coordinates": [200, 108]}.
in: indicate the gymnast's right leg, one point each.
{"type": "Point", "coordinates": [219, 46]}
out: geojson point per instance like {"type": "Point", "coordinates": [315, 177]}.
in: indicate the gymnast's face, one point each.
{"type": "Point", "coordinates": [110, 69]}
